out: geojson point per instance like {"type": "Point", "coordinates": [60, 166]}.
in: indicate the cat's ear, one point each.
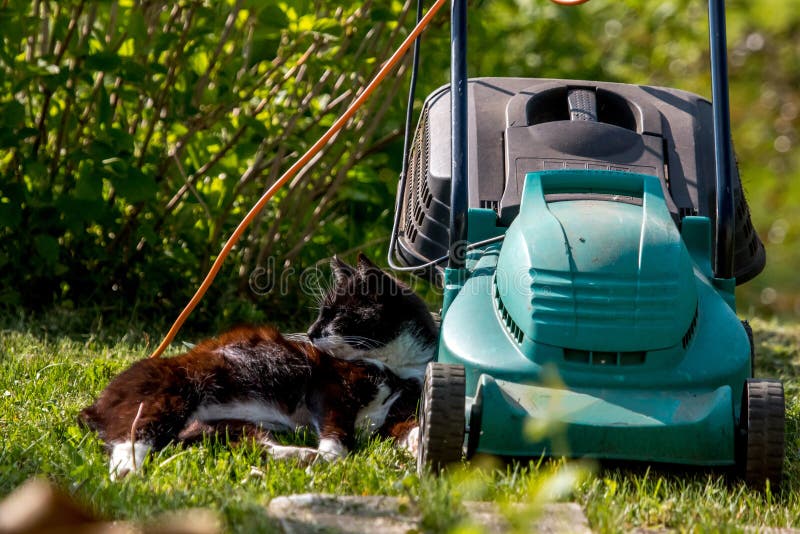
{"type": "Point", "coordinates": [375, 282]}
{"type": "Point", "coordinates": [341, 271]}
{"type": "Point", "coordinates": [365, 265]}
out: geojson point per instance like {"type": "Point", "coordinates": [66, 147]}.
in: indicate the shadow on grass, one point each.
{"type": "Point", "coordinates": [110, 327]}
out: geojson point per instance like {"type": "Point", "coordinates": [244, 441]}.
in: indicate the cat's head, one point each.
{"type": "Point", "coordinates": [368, 313]}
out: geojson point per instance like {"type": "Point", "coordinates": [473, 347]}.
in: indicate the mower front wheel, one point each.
{"type": "Point", "coordinates": [761, 432]}
{"type": "Point", "coordinates": [442, 420]}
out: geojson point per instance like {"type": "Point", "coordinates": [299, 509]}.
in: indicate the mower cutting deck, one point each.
{"type": "Point", "coordinates": [592, 314]}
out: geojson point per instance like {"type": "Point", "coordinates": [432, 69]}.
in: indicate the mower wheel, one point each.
{"type": "Point", "coordinates": [442, 420]}
{"type": "Point", "coordinates": [761, 432]}
{"type": "Point", "coordinates": [749, 330]}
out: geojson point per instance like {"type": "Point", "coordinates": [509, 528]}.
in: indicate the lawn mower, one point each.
{"type": "Point", "coordinates": [593, 235]}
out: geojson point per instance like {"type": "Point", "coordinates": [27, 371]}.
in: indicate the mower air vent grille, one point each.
{"type": "Point", "coordinates": [687, 337]}
{"type": "Point", "coordinates": [601, 300]}
{"type": "Point", "coordinates": [590, 357]}
{"type": "Point", "coordinates": [511, 325]}
{"type": "Point", "coordinates": [418, 195]}
{"type": "Point", "coordinates": [744, 226]}
{"type": "Point", "coordinates": [490, 205]}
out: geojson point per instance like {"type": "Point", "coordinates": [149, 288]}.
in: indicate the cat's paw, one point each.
{"type": "Point", "coordinates": [331, 449]}
{"type": "Point", "coordinates": [411, 441]}
{"type": "Point", "coordinates": [304, 455]}
{"type": "Point", "coordinates": [127, 458]}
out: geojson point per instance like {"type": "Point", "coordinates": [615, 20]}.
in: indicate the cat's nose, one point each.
{"type": "Point", "coordinates": [314, 333]}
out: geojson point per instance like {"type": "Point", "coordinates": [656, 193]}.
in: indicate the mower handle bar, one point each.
{"type": "Point", "coordinates": [725, 216]}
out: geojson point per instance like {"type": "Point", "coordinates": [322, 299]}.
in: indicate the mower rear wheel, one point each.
{"type": "Point", "coordinates": [761, 432]}
{"type": "Point", "coordinates": [442, 420]}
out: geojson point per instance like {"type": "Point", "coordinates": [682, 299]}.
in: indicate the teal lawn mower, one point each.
{"type": "Point", "coordinates": [593, 235]}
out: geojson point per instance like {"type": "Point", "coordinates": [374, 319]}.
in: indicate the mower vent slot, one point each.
{"type": "Point", "coordinates": [603, 358]}
{"type": "Point", "coordinates": [418, 196]}
{"type": "Point", "coordinates": [493, 205]}
{"type": "Point", "coordinates": [744, 226]}
{"type": "Point", "coordinates": [687, 337]}
{"type": "Point", "coordinates": [511, 325]}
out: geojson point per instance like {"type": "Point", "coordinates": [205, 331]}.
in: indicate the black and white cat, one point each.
{"type": "Point", "coordinates": [362, 368]}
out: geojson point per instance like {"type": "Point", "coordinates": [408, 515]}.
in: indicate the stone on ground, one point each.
{"type": "Point", "coordinates": [315, 513]}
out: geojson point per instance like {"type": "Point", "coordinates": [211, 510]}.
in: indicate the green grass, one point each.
{"type": "Point", "coordinates": [46, 377]}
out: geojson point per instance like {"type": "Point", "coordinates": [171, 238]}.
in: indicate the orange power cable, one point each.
{"type": "Point", "coordinates": [299, 164]}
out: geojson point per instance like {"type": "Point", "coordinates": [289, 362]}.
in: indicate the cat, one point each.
{"type": "Point", "coordinates": [361, 366]}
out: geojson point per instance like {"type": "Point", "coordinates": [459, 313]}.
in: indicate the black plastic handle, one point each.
{"type": "Point", "coordinates": [725, 223]}
{"type": "Point", "coordinates": [458, 134]}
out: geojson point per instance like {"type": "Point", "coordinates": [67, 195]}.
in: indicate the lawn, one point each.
{"type": "Point", "coordinates": [46, 377]}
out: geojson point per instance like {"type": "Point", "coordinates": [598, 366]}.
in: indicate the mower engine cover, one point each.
{"type": "Point", "coordinates": [609, 274]}
{"type": "Point", "coordinates": [600, 317]}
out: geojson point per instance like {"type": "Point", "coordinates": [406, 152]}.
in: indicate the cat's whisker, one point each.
{"type": "Point", "coordinates": [294, 336]}
{"type": "Point", "coordinates": [319, 287]}
{"type": "Point", "coordinates": [368, 339]}
{"type": "Point", "coordinates": [323, 282]}
{"type": "Point", "coordinates": [320, 291]}
{"type": "Point", "coordinates": [362, 339]}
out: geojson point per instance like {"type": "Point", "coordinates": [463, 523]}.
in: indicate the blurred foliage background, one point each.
{"type": "Point", "coordinates": [134, 135]}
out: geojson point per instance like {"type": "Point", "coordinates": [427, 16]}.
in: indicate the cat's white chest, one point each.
{"type": "Point", "coordinates": [372, 416]}
{"type": "Point", "coordinates": [407, 355]}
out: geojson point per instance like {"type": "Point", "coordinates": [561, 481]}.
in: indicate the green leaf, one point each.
{"type": "Point", "coordinates": [137, 27]}
{"type": "Point", "coordinates": [12, 114]}
{"type": "Point", "coordinates": [75, 212]}
{"type": "Point", "coordinates": [121, 140]}
{"type": "Point", "coordinates": [132, 71]}
{"type": "Point", "coordinates": [103, 106]}
{"type": "Point", "coordinates": [99, 150]}
{"type": "Point", "coordinates": [165, 41]}
{"type": "Point", "coordinates": [8, 139]}
{"type": "Point", "coordinates": [147, 233]}
{"type": "Point", "coordinates": [327, 25]}
{"type": "Point", "coordinates": [264, 49]}
{"type": "Point", "coordinates": [103, 61]}
{"type": "Point", "coordinates": [355, 194]}
{"type": "Point", "coordinates": [47, 248]}
{"type": "Point", "coordinates": [256, 125]}
{"type": "Point", "coordinates": [10, 27]}
{"type": "Point", "coordinates": [382, 14]}
{"type": "Point", "coordinates": [36, 170]}
{"type": "Point", "coordinates": [24, 133]}
{"type": "Point", "coordinates": [89, 184]}
{"type": "Point", "coordinates": [10, 214]}
{"type": "Point", "coordinates": [134, 186]}
{"type": "Point", "coordinates": [272, 16]}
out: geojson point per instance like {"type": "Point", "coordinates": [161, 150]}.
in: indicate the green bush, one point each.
{"type": "Point", "coordinates": [135, 135]}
